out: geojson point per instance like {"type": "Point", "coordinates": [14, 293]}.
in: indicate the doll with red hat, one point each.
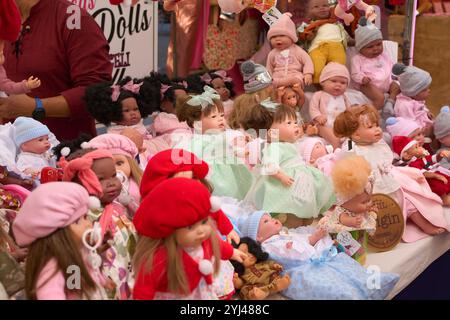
{"type": "Point", "coordinates": [10, 24]}
{"type": "Point", "coordinates": [178, 253]}
{"type": "Point", "coordinates": [411, 154]}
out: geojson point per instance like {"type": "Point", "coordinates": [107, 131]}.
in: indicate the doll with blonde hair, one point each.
{"type": "Point", "coordinates": [422, 209]}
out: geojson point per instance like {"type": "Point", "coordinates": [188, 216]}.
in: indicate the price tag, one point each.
{"type": "Point", "coordinates": [272, 15]}
{"type": "Point", "coordinates": [346, 240]}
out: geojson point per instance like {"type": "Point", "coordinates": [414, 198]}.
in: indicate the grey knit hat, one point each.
{"type": "Point", "coordinates": [256, 76]}
{"type": "Point", "coordinates": [442, 123]}
{"type": "Point", "coordinates": [366, 33]}
{"type": "Point", "coordinates": [412, 79]}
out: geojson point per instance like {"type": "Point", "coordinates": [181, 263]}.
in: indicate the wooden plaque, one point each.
{"type": "Point", "coordinates": [390, 224]}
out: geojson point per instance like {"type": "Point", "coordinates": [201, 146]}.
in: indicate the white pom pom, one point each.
{"type": "Point", "coordinates": [215, 203]}
{"type": "Point", "coordinates": [65, 151]}
{"type": "Point", "coordinates": [94, 203]}
{"type": "Point", "coordinates": [205, 267]}
{"type": "Point", "coordinates": [84, 145]}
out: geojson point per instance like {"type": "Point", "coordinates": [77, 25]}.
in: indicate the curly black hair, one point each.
{"type": "Point", "coordinates": [254, 248]}
{"type": "Point", "coordinates": [104, 110]}
{"type": "Point", "coordinates": [73, 145]}
{"type": "Point", "coordinates": [228, 84]}
{"type": "Point", "coordinates": [195, 84]}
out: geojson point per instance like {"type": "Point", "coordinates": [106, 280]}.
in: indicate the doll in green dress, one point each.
{"type": "Point", "coordinates": [285, 184]}
{"type": "Point", "coordinates": [223, 149]}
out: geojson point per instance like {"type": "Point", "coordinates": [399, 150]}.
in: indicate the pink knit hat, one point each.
{"type": "Point", "coordinates": [49, 207]}
{"type": "Point", "coordinates": [400, 126]}
{"type": "Point", "coordinates": [306, 147]}
{"type": "Point", "coordinates": [283, 27]}
{"type": "Point", "coordinates": [114, 143]}
{"type": "Point", "coordinates": [334, 69]}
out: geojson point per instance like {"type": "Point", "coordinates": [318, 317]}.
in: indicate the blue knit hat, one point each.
{"type": "Point", "coordinates": [26, 129]}
{"type": "Point", "coordinates": [249, 225]}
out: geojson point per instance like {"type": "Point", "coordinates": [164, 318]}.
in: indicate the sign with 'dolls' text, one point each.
{"type": "Point", "coordinates": [132, 34]}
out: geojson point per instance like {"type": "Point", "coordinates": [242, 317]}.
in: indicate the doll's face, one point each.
{"type": "Point", "coordinates": [250, 260]}
{"type": "Point", "coordinates": [79, 227]}
{"type": "Point", "coordinates": [268, 227]}
{"type": "Point", "coordinates": [281, 42]}
{"type": "Point", "coordinates": [38, 145]}
{"type": "Point", "coordinates": [373, 49]}
{"type": "Point", "coordinates": [318, 151]}
{"type": "Point", "coordinates": [219, 85]}
{"type": "Point", "coordinates": [418, 136]}
{"type": "Point", "coordinates": [105, 170]}
{"type": "Point", "coordinates": [319, 9]}
{"type": "Point", "coordinates": [193, 235]}
{"type": "Point", "coordinates": [130, 112]}
{"type": "Point", "coordinates": [122, 164]}
{"type": "Point", "coordinates": [422, 95]}
{"type": "Point", "coordinates": [167, 105]}
{"type": "Point", "coordinates": [286, 131]}
{"type": "Point", "coordinates": [367, 132]}
{"type": "Point", "coordinates": [290, 98]}
{"type": "Point", "coordinates": [445, 141]}
{"type": "Point", "coordinates": [215, 121]}
{"type": "Point", "coordinates": [359, 204]}
{"type": "Point", "coordinates": [414, 151]}
{"type": "Point", "coordinates": [335, 86]}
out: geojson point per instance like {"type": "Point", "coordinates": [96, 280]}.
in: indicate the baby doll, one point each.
{"type": "Point", "coordinates": [291, 96]}
{"type": "Point", "coordinates": [285, 184]}
{"type": "Point", "coordinates": [258, 87]}
{"type": "Point", "coordinates": [69, 148]}
{"type": "Point", "coordinates": [415, 88]}
{"type": "Point", "coordinates": [236, 6]}
{"type": "Point", "coordinates": [442, 134]}
{"type": "Point", "coordinates": [124, 152]}
{"type": "Point", "coordinates": [413, 155]}
{"type": "Point", "coordinates": [326, 104]}
{"type": "Point", "coordinates": [257, 277]}
{"type": "Point", "coordinates": [219, 81]}
{"type": "Point", "coordinates": [54, 234]}
{"type": "Point", "coordinates": [317, 154]}
{"type": "Point", "coordinates": [422, 209]}
{"type": "Point", "coordinates": [324, 37]}
{"type": "Point", "coordinates": [345, 5]}
{"type": "Point", "coordinates": [408, 128]}
{"type": "Point", "coordinates": [371, 67]}
{"type": "Point", "coordinates": [287, 62]}
{"type": "Point", "coordinates": [178, 252]}
{"type": "Point", "coordinates": [10, 24]}
{"type": "Point", "coordinates": [96, 172]}
{"type": "Point", "coordinates": [32, 138]}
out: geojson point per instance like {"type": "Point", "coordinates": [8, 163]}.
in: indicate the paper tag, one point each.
{"type": "Point", "coordinates": [346, 240]}
{"type": "Point", "coordinates": [272, 15]}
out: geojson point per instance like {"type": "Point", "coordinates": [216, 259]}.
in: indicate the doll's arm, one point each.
{"type": "Point", "coordinates": [314, 110]}
{"type": "Point", "coordinates": [238, 283]}
{"type": "Point", "coordinates": [434, 175]}
{"type": "Point", "coordinates": [349, 221]}
{"type": "Point", "coordinates": [305, 59]}
{"type": "Point", "coordinates": [340, 13]}
{"type": "Point", "coordinates": [10, 87]}
{"type": "Point", "coordinates": [283, 178]}
{"type": "Point", "coordinates": [357, 73]}
{"type": "Point", "coordinates": [270, 61]}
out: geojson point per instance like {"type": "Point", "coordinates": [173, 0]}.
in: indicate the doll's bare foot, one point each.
{"type": "Point", "coordinates": [316, 236]}
{"type": "Point", "coordinates": [257, 294]}
{"type": "Point", "coordinates": [348, 18]}
{"type": "Point", "coordinates": [425, 225]}
{"type": "Point", "coordinates": [281, 283]}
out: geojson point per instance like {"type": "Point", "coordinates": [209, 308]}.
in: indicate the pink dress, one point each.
{"type": "Point", "coordinates": [409, 108]}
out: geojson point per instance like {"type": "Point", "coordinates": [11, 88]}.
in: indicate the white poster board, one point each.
{"type": "Point", "coordinates": [132, 34]}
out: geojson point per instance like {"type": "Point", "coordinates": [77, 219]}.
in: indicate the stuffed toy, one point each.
{"type": "Point", "coordinates": [236, 6]}
{"type": "Point", "coordinates": [257, 277]}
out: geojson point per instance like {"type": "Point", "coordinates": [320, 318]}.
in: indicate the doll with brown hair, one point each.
{"type": "Point", "coordinates": [285, 184]}
{"type": "Point", "coordinates": [422, 209]}
{"type": "Point", "coordinates": [178, 252]}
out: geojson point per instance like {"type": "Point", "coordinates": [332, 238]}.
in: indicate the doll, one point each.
{"type": "Point", "coordinates": [124, 152]}
{"type": "Point", "coordinates": [55, 235]}
{"type": "Point", "coordinates": [174, 256]}
{"type": "Point", "coordinates": [371, 67]}
{"type": "Point", "coordinates": [326, 104]}
{"type": "Point", "coordinates": [288, 63]}
{"type": "Point", "coordinates": [258, 87]}
{"type": "Point", "coordinates": [422, 209]}
{"type": "Point", "coordinates": [236, 6]}
{"type": "Point", "coordinates": [10, 24]}
{"type": "Point", "coordinates": [317, 154]}
{"type": "Point", "coordinates": [408, 128]}
{"type": "Point", "coordinates": [415, 88]}
{"type": "Point", "coordinates": [72, 146]}
{"type": "Point", "coordinates": [219, 81]}
{"type": "Point", "coordinates": [345, 5]}
{"type": "Point", "coordinates": [32, 139]}
{"type": "Point", "coordinates": [96, 172]}
{"type": "Point", "coordinates": [257, 277]}
{"type": "Point", "coordinates": [324, 37]}
{"type": "Point", "coordinates": [410, 153]}
{"type": "Point", "coordinates": [442, 134]}
{"type": "Point", "coordinates": [218, 147]}
{"type": "Point", "coordinates": [291, 96]}
{"type": "Point", "coordinates": [285, 184]}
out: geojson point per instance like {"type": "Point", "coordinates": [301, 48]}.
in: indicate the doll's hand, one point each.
{"type": "Point", "coordinates": [285, 179]}
{"type": "Point", "coordinates": [349, 221]}
{"type": "Point", "coordinates": [20, 254]}
{"type": "Point", "coordinates": [238, 255]}
{"type": "Point", "coordinates": [441, 178]}
{"type": "Point", "coordinates": [444, 154]}
{"type": "Point", "coordinates": [311, 130]}
{"type": "Point", "coordinates": [366, 80]}
{"type": "Point", "coordinates": [233, 236]}
{"type": "Point", "coordinates": [278, 266]}
{"type": "Point", "coordinates": [237, 282]}
{"type": "Point", "coordinates": [33, 83]}
{"type": "Point", "coordinates": [321, 120]}
{"type": "Point", "coordinates": [420, 178]}
{"type": "Point", "coordinates": [316, 236]}
{"type": "Point", "coordinates": [308, 79]}
{"type": "Point", "coordinates": [370, 14]}
{"type": "Point", "coordinates": [394, 90]}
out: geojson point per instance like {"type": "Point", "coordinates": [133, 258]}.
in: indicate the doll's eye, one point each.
{"type": "Point", "coordinates": [204, 221]}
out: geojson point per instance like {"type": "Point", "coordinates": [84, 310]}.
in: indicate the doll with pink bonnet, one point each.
{"type": "Point", "coordinates": [288, 64]}
{"type": "Point", "coordinates": [327, 104]}
{"type": "Point", "coordinates": [317, 154]}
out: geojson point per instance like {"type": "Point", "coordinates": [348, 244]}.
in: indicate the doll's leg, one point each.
{"type": "Point", "coordinates": [374, 94]}
{"type": "Point", "coordinates": [327, 134]}
{"type": "Point", "coordinates": [425, 225]}
{"type": "Point", "coordinates": [336, 53]}
{"type": "Point", "coordinates": [319, 58]}
{"type": "Point", "coordinates": [281, 283]}
{"type": "Point", "coordinates": [340, 13]}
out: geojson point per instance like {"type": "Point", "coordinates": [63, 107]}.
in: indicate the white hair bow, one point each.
{"type": "Point", "coordinates": [269, 104]}
{"type": "Point", "coordinates": [205, 99]}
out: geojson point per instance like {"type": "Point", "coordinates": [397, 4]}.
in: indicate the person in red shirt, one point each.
{"type": "Point", "coordinates": [65, 59]}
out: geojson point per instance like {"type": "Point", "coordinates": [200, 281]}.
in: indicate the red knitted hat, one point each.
{"type": "Point", "coordinates": [173, 204]}
{"type": "Point", "coordinates": [401, 143]}
{"type": "Point", "coordinates": [166, 163]}
{"type": "Point", "coordinates": [10, 20]}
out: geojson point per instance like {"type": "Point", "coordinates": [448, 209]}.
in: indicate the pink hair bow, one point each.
{"type": "Point", "coordinates": [164, 88]}
{"type": "Point", "coordinates": [223, 75]}
{"type": "Point", "coordinates": [206, 78]}
{"type": "Point", "coordinates": [115, 93]}
{"type": "Point", "coordinates": [183, 83]}
{"type": "Point", "coordinates": [132, 87]}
